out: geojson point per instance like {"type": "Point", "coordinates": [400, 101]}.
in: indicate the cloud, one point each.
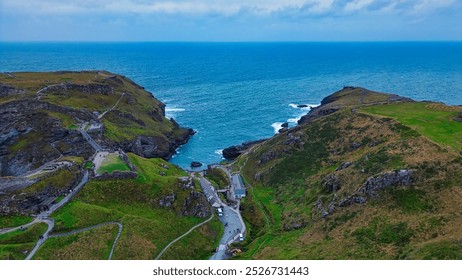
{"type": "Point", "coordinates": [223, 7]}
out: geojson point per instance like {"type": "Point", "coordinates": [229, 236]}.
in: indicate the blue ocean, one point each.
{"type": "Point", "coordinates": [235, 92]}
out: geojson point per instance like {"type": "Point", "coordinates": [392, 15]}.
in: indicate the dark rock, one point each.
{"type": "Point", "coordinates": [195, 205]}
{"type": "Point", "coordinates": [91, 88]}
{"type": "Point", "coordinates": [258, 176]}
{"type": "Point", "coordinates": [458, 118]}
{"type": "Point", "coordinates": [302, 106]}
{"type": "Point", "coordinates": [196, 164]}
{"type": "Point", "coordinates": [186, 183]}
{"type": "Point", "coordinates": [343, 166]}
{"type": "Point", "coordinates": [293, 139]}
{"type": "Point", "coordinates": [20, 118]}
{"type": "Point", "coordinates": [268, 156]}
{"type": "Point", "coordinates": [374, 184]}
{"type": "Point", "coordinates": [354, 199]}
{"type": "Point", "coordinates": [235, 151]}
{"type": "Point", "coordinates": [6, 90]}
{"type": "Point", "coordinates": [355, 145]}
{"type": "Point", "coordinates": [284, 127]}
{"type": "Point", "coordinates": [167, 201]}
{"type": "Point", "coordinates": [295, 224]}
{"type": "Point", "coordinates": [331, 183]}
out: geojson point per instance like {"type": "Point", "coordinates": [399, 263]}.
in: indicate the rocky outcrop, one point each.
{"type": "Point", "coordinates": [17, 201]}
{"type": "Point", "coordinates": [30, 137]}
{"type": "Point", "coordinates": [6, 90]}
{"type": "Point", "coordinates": [195, 205]}
{"type": "Point", "coordinates": [369, 189]}
{"type": "Point", "coordinates": [196, 164]}
{"type": "Point", "coordinates": [235, 151]}
{"type": "Point", "coordinates": [156, 146]}
{"type": "Point", "coordinates": [332, 104]}
{"type": "Point", "coordinates": [331, 183]}
{"type": "Point", "coordinates": [396, 178]}
{"type": "Point", "coordinates": [91, 88]}
{"type": "Point", "coordinates": [168, 200]}
{"type": "Point", "coordinates": [458, 118]}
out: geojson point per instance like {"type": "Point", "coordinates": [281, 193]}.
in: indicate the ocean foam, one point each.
{"type": "Point", "coordinates": [170, 112]}
{"type": "Point", "coordinates": [219, 152]}
{"type": "Point", "coordinates": [277, 126]}
{"type": "Point", "coordinates": [174, 109]}
{"type": "Point", "coordinates": [308, 108]}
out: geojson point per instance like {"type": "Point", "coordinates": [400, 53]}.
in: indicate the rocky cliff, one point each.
{"type": "Point", "coordinates": [365, 175]}
{"type": "Point", "coordinates": [41, 114]}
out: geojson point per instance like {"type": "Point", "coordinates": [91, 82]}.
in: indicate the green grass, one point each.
{"type": "Point", "coordinates": [148, 227]}
{"type": "Point", "coordinates": [14, 244]}
{"type": "Point", "coordinates": [436, 124]}
{"type": "Point", "coordinates": [112, 163]}
{"type": "Point", "coordinates": [14, 220]}
{"type": "Point", "coordinates": [438, 250]}
{"type": "Point", "coordinates": [94, 244]}
{"type": "Point", "coordinates": [197, 244]}
{"type": "Point", "coordinates": [58, 180]}
{"type": "Point", "coordinates": [411, 200]}
{"type": "Point", "coordinates": [88, 165]}
{"type": "Point", "coordinates": [31, 234]}
{"type": "Point", "coordinates": [77, 214]}
{"type": "Point", "coordinates": [217, 177]}
{"type": "Point", "coordinates": [77, 160]}
{"type": "Point", "coordinates": [15, 251]}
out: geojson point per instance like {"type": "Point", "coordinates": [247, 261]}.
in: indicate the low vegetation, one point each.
{"type": "Point", "coordinates": [217, 177]}
{"type": "Point", "coordinates": [112, 163]}
{"type": "Point", "coordinates": [148, 227]}
{"type": "Point", "coordinates": [299, 179]}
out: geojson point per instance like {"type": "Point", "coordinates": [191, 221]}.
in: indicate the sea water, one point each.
{"type": "Point", "coordinates": [235, 92]}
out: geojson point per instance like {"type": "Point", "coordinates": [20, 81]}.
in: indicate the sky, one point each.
{"type": "Point", "coordinates": [230, 20]}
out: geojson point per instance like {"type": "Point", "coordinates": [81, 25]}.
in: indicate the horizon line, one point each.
{"type": "Point", "coordinates": [218, 41]}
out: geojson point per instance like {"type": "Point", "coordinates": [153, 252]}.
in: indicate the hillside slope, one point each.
{"type": "Point", "coordinates": [364, 176]}
{"type": "Point", "coordinates": [41, 113]}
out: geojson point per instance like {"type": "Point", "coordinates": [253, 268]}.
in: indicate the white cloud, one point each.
{"type": "Point", "coordinates": [223, 7]}
{"type": "Point", "coordinates": [357, 5]}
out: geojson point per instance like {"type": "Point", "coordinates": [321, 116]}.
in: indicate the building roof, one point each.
{"type": "Point", "coordinates": [239, 192]}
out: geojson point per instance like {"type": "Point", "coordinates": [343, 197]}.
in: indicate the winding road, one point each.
{"type": "Point", "coordinates": [234, 225]}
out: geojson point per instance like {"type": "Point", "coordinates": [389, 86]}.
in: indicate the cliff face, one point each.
{"type": "Point", "coordinates": [41, 114]}
{"type": "Point", "coordinates": [365, 175]}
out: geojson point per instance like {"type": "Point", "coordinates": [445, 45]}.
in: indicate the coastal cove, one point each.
{"type": "Point", "coordinates": [230, 93]}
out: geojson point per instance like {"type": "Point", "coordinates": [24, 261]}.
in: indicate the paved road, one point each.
{"type": "Point", "coordinates": [51, 223]}
{"type": "Point", "coordinates": [44, 216]}
{"type": "Point", "coordinates": [66, 199]}
{"type": "Point", "coordinates": [231, 219]}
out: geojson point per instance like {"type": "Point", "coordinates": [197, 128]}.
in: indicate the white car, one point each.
{"type": "Point", "coordinates": [241, 237]}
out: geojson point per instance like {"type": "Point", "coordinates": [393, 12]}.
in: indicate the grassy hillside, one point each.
{"type": "Point", "coordinates": [147, 226]}
{"type": "Point", "coordinates": [41, 114]}
{"type": "Point", "coordinates": [366, 181]}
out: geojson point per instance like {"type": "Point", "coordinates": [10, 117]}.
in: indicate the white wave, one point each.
{"type": "Point", "coordinates": [174, 109]}
{"type": "Point", "coordinates": [307, 108]}
{"type": "Point", "coordinates": [295, 120]}
{"type": "Point", "coordinates": [277, 126]}
{"type": "Point", "coordinates": [170, 112]}
{"type": "Point", "coordinates": [293, 105]}
{"type": "Point", "coordinates": [219, 152]}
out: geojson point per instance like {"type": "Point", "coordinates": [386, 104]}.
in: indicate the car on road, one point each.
{"type": "Point", "coordinates": [241, 237]}
{"type": "Point", "coordinates": [220, 211]}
